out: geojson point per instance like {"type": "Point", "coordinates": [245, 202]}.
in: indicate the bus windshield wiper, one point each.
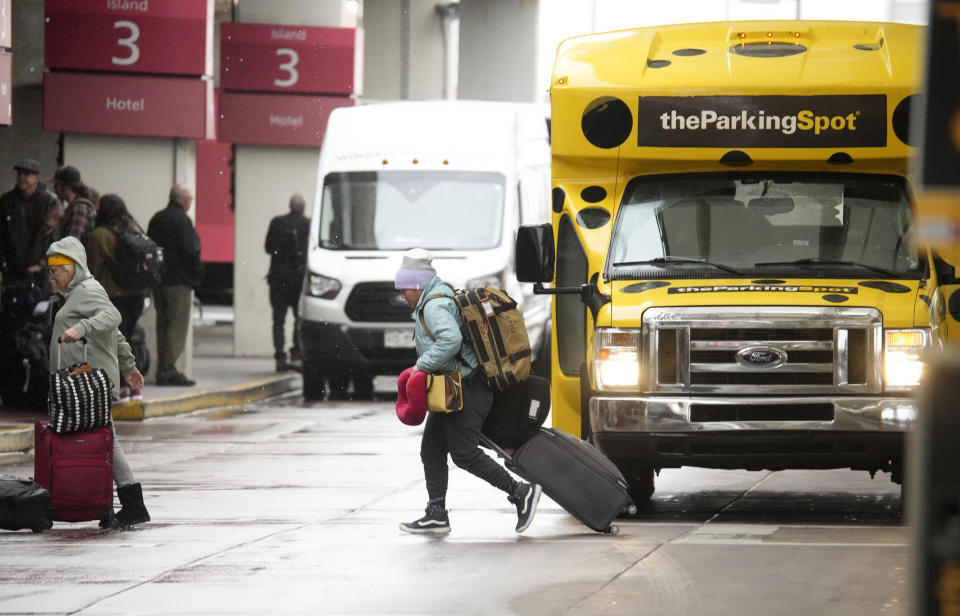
{"type": "Point", "coordinates": [816, 261]}
{"type": "Point", "coordinates": [672, 259]}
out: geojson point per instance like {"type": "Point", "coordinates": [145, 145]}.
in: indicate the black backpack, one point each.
{"type": "Point", "coordinates": [137, 260]}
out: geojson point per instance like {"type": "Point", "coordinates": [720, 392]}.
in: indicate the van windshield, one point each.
{"type": "Point", "coordinates": [397, 210]}
{"type": "Point", "coordinates": [764, 224]}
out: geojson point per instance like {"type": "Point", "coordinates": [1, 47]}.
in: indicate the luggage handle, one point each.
{"type": "Point", "coordinates": [489, 443]}
{"type": "Point", "coordinates": [84, 341]}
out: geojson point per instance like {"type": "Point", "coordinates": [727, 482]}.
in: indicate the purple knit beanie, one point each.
{"type": "Point", "coordinates": [416, 271]}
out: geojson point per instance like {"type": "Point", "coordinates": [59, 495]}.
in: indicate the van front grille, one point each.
{"type": "Point", "coordinates": [800, 350]}
{"type": "Point", "coordinates": [376, 302]}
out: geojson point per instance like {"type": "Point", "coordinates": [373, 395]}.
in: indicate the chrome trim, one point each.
{"type": "Point", "coordinates": [736, 345]}
{"type": "Point", "coordinates": [839, 319]}
{"type": "Point", "coordinates": [796, 368]}
{"type": "Point", "coordinates": [672, 414]}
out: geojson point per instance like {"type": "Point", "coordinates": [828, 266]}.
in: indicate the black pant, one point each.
{"type": "Point", "coordinates": [282, 298]}
{"type": "Point", "coordinates": [130, 308]}
{"type": "Point", "coordinates": [459, 435]}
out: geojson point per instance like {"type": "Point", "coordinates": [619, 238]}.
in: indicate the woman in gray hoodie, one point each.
{"type": "Point", "coordinates": [88, 313]}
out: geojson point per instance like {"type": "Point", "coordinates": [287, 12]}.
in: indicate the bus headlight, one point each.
{"type": "Point", "coordinates": [616, 358]}
{"type": "Point", "coordinates": [321, 286]}
{"type": "Point", "coordinates": [903, 358]}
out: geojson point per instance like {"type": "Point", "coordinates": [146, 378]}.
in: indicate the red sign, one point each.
{"type": "Point", "coordinates": [127, 105]}
{"type": "Point", "coordinates": [265, 58]}
{"type": "Point", "coordinates": [5, 23]}
{"type": "Point", "coordinates": [215, 219]}
{"type": "Point", "coordinates": [6, 88]}
{"type": "Point", "coordinates": [276, 119]}
{"type": "Point", "coordinates": [133, 36]}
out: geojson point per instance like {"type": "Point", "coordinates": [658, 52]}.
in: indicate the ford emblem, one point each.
{"type": "Point", "coordinates": [761, 357]}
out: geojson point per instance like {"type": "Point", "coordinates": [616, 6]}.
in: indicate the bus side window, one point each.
{"type": "Point", "coordinates": [571, 325]}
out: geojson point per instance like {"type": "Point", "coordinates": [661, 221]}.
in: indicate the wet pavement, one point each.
{"type": "Point", "coordinates": [284, 508]}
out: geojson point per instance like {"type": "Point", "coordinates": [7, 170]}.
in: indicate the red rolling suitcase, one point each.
{"type": "Point", "coordinates": [77, 469]}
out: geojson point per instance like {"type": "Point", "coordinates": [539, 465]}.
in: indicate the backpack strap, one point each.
{"type": "Point", "coordinates": [423, 322]}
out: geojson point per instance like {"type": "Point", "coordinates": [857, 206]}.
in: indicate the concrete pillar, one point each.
{"type": "Point", "coordinates": [403, 50]}
{"type": "Point", "coordinates": [265, 177]}
{"type": "Point", "coordinates": [141, 171]}
{"type": "Point", "coordinates": [498, 50]}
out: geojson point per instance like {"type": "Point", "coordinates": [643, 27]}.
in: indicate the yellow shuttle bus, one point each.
{"type": "Point", "coordinates": [737, 282]}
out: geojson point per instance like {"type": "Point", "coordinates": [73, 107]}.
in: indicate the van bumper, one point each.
{"type": "Point", "coordinates": [340, 348]}
{"type": "Point", "coordinates": [865, 433]}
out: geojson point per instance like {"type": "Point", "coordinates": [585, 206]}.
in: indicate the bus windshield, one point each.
{"type": "Point", "coordinates": [397, 210]}
{"type": "Point", "coordinates": [756, 224]}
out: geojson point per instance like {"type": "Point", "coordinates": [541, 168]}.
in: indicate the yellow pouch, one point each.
{"type": "Point", "coordinates": [445, 392]}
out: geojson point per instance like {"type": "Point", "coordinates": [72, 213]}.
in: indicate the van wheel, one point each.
{"type": "Point", "coordinates": [313, 385]}
{"type": "Point", "coordinates": [640, 480]}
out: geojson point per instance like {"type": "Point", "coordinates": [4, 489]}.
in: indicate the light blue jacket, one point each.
{"type": "Point", "coordinates": [443, 318]}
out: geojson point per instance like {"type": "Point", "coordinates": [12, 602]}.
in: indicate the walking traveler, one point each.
{"type": "Point", "coordinates": [87, 313]}
{"type": "Point", "coordinates": [81, 213]}
{"type": "Point", "coordinates": [456, 433]}
{"type": "Point", "coordinates": [24, 211]}
{"type": "Point", "coordinates": [182, 271]}
{"type": "Point", "coordinates": [286, 243]}
{"type": "Point", "coordinates": [112, 218]}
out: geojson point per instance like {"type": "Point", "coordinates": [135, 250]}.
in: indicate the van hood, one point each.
{"type": "Point", "coordinates": [896, 300]}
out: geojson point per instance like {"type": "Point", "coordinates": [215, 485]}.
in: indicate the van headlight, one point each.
{"type": "Point", "coordinates": [322, 286]}
{"type": "Point", "coordinates": [616, 358]}
{"type": "Point", "coordinates": [903, 351]}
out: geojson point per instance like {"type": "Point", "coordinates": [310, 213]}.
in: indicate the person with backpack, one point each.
{"type": "Point", "coordinates": [113, 220]}
{"type": "Point", "coordinates": [286, 243]}
{"type": "Point", "coordinates": [442, 349]}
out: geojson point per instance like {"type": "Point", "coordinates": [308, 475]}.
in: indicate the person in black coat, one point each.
{"type": "Point", "coordinates": [182, 272]}
{"type": "Point", "coordinates": [286, 243]}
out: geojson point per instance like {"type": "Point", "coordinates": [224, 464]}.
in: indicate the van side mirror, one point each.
{"type": "Point", "coordinates": [535, 254]}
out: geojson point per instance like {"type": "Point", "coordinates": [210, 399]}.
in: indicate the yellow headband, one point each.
{"type": "Point", "coordinates": [59, 260]}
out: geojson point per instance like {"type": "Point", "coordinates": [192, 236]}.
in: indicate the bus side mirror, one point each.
{"type": "Point", "coordinates": [535, 253]}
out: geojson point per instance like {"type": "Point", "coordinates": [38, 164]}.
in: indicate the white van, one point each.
{"type": "Point", "coordinates": [454, 177]}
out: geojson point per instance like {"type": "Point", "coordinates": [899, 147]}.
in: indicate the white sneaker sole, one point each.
{"type": "Point", "coordinates": [444, 530]}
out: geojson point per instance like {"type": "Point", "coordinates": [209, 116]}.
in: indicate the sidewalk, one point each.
{"type": "Point", "coordinates": [221, 381]}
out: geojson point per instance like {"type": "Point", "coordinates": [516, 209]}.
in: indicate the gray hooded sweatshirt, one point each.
{"type": "Point", "coordinates": [89, 310]}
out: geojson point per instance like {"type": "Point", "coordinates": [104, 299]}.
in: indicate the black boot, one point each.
{"type": "Point", "coordinates": [436, 521]}
{"type": "Point", "coordinates": [132, 510]}
{"type": "Point", "coordinates": [282, 365]}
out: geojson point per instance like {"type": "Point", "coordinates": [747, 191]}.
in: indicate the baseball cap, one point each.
{"type": "Point", "coordinates": [67, 175]}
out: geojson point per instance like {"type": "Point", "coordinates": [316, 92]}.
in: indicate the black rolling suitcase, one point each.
{"type": "Point", "coordinates": [23, 504]}
{"type": "Point", "coordinates": [574, 474]}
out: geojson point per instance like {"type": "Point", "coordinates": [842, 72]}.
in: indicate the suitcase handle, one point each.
{"type": "Point", "coordinates": [59, 342]}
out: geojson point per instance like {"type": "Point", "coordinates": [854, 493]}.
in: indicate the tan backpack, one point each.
{"type": "Point", "coordinates": [495, 329]}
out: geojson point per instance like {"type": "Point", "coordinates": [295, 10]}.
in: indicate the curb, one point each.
{"type": "Point", "coordinates": [20, 438]}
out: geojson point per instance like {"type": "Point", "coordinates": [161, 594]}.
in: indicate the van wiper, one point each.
{"type": "Point", "coordinates": [816, 261]}
{"type": "Point", "coordinates": [672, 259]}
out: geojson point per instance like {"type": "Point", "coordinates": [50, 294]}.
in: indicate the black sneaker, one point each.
{"type": "Point", "coordinates": [435, 522]}
{"type": "Point", "coordinates": [526, 497]}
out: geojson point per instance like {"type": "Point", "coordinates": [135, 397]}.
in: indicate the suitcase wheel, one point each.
{"type": "Point", "coordinates": [614, 529]}
{"type": "Point", "coordinates": [632, 509]}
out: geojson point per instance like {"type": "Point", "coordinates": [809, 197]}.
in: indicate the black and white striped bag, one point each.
{"type": "Point", "coordinates": [79, 397]}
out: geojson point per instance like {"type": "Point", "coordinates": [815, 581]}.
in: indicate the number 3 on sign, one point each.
{"type": "Point", "coordinates": [128, 42]}
{"type": "Point", "coordinates": [289, 67]}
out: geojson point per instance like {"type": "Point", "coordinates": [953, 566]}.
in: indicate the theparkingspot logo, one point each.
{"type": "Point", "coordinates": [762, 121]}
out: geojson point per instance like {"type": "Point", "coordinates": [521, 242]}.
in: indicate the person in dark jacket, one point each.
{"type": "Point", "coordinates": [24, 211]}
{"type": "Point", "coordinates": [456, 434]}
{"type": "Point", "coordinates": [182, 272]}
{"type": "Point", "coordinates": [286, 244]}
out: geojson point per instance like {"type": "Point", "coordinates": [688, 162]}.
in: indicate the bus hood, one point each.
{"type": "Point", "coordinates": [894, 299]}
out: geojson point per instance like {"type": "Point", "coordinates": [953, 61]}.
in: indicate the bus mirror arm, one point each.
{"type": "Point", "coordinates": [589, 295]}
